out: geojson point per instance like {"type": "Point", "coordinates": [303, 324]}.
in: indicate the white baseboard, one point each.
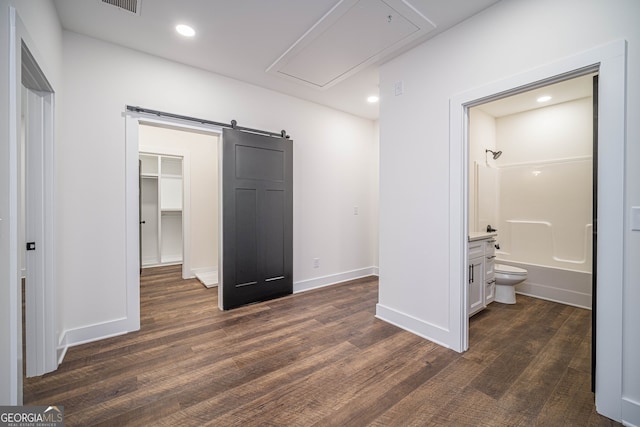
{"type": "Point", "coordinates": [429, 331]}
{"type": "Point", "coordinates": [319, 282]}
{"type": "Point", "coordinates": [62, 348]}
{"type": "Point", "coordinates": [198, 270]}
{"type": "Point", "coordinates": [208, 276]}
{"type": "Point", "coordinates": [630, 413]}
{"type": "Point", "coordinates": [90, 333]}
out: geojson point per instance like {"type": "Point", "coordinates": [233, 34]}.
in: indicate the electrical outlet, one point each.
{"type": "Point", "coordinates": [356, 210]}
{"type": "Point", "coordinates": [316, 263]}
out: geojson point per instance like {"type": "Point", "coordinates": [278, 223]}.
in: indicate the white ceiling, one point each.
{"type": "Point", "coordinates": [564, 91]}
{"type": "Point", "coordinates": [242, 39]}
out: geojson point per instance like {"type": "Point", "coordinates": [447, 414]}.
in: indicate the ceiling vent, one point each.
{"type": "Point", "coordinates": [132, 6]}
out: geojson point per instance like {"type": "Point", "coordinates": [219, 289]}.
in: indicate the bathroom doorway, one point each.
{"type": "Point", "coordinates": [532, 175]}
{"type": "Point", "coordinates": [609, 61]}
{"type": "Point", "coordinates": [538, 193]}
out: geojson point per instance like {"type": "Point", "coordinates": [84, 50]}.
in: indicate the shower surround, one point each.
{"type": "Point", "coordinates": [545, 217]}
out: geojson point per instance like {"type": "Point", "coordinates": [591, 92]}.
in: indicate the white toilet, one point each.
{"type": "Point", "coordinates": [507, 277]}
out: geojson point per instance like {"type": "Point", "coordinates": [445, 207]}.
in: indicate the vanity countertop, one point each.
{"type": "Point", "coordinates": [479, 235]}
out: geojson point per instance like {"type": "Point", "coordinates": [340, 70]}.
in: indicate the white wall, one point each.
{"type": "Point", "coordinates": [333, 158]}
{"type": "Point", "coordinates": [38, 26]}
{"type": "Point", "coordinates": [203, 154]}
{"type": "Point", "coordinates": [41, 21]}
{"type": "Point", "coordinates": [496, 44]}
{"type": "Point", "coordinates": [482, 136]}
{"type": "Point", "coordinates": [561, 131]}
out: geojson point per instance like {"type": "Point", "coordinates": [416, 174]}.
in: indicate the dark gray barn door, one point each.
{"type": "Point", "coordinates": [257, 218]}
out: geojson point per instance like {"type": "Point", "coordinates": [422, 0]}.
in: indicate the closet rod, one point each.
{"type": "Point", "coordinates": [232, 125]}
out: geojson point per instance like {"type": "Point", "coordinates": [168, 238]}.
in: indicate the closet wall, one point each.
{"type": "Point", "coordinates": [200, 154]}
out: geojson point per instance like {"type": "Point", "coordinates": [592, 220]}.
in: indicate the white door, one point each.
{"type": "Point", "coordinates": [40, 335]}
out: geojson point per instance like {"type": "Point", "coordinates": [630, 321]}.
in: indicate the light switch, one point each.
{"type": "Point", "coordinates": [635, 218]}
{"type": "Point", "coordinates": [398, 88]}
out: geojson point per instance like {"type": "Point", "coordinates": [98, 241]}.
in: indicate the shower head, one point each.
{"type": "Point", "coordinates": [495, 154]}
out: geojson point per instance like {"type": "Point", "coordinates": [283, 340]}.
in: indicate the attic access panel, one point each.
{"type": "Point", "coordinates": [351, 36]}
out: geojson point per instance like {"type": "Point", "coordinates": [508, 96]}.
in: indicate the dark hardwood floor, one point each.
{"type": "Point", "coordinates": [320, 358]}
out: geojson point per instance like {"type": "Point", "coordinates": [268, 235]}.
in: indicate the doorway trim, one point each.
{"type": "Point", "coordinates": [132, 148]}
{"type": "Point", "coordinates": [610, 62]}
{"type": "Point", "coordinates": [40, 296]}
{"type": "Point", "coordinates": [23, 58]}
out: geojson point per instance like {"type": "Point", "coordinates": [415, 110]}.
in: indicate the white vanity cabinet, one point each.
{"type": "Point", "coordinates": [476, 277]}
{"type": "Point", "coordinates": [481, 274]}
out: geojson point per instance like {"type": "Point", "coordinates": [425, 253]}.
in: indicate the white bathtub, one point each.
{"type": "Point", "coordinates": [570, 287]}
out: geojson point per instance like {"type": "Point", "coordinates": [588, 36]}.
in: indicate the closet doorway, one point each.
{"type": "Point", "coordinates": [161, 190]}
{"type": "Point", "coordinates": [179, 200]}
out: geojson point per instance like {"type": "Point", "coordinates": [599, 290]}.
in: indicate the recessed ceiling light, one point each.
{"type": "Point", "coordinates": [185, 30]}
{"type": "Point", "coordinates": [372, 99]}
{"type": "Point", "coordinates": [544, 98]}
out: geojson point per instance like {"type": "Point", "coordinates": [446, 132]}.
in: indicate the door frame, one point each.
{"type": "Point", "coordinates": [609, 61]}
{"type": "Point", "coordinates": [132, 246]}
{"type": "Point", "coordinates": [21, 56]}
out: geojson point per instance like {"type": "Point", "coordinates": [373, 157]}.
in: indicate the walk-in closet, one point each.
{"type": "Point", "coordinates": [161, 209]}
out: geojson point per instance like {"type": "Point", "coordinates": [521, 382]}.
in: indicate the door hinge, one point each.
{"type": "Point", "coordinates": [31, 246]}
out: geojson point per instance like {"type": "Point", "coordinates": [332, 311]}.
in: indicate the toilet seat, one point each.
{"type": "Point", "coordinates": [510, 270]}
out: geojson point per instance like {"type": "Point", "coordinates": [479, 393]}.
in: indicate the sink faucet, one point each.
{"type": "Point", "coordinates": [490, 229]}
